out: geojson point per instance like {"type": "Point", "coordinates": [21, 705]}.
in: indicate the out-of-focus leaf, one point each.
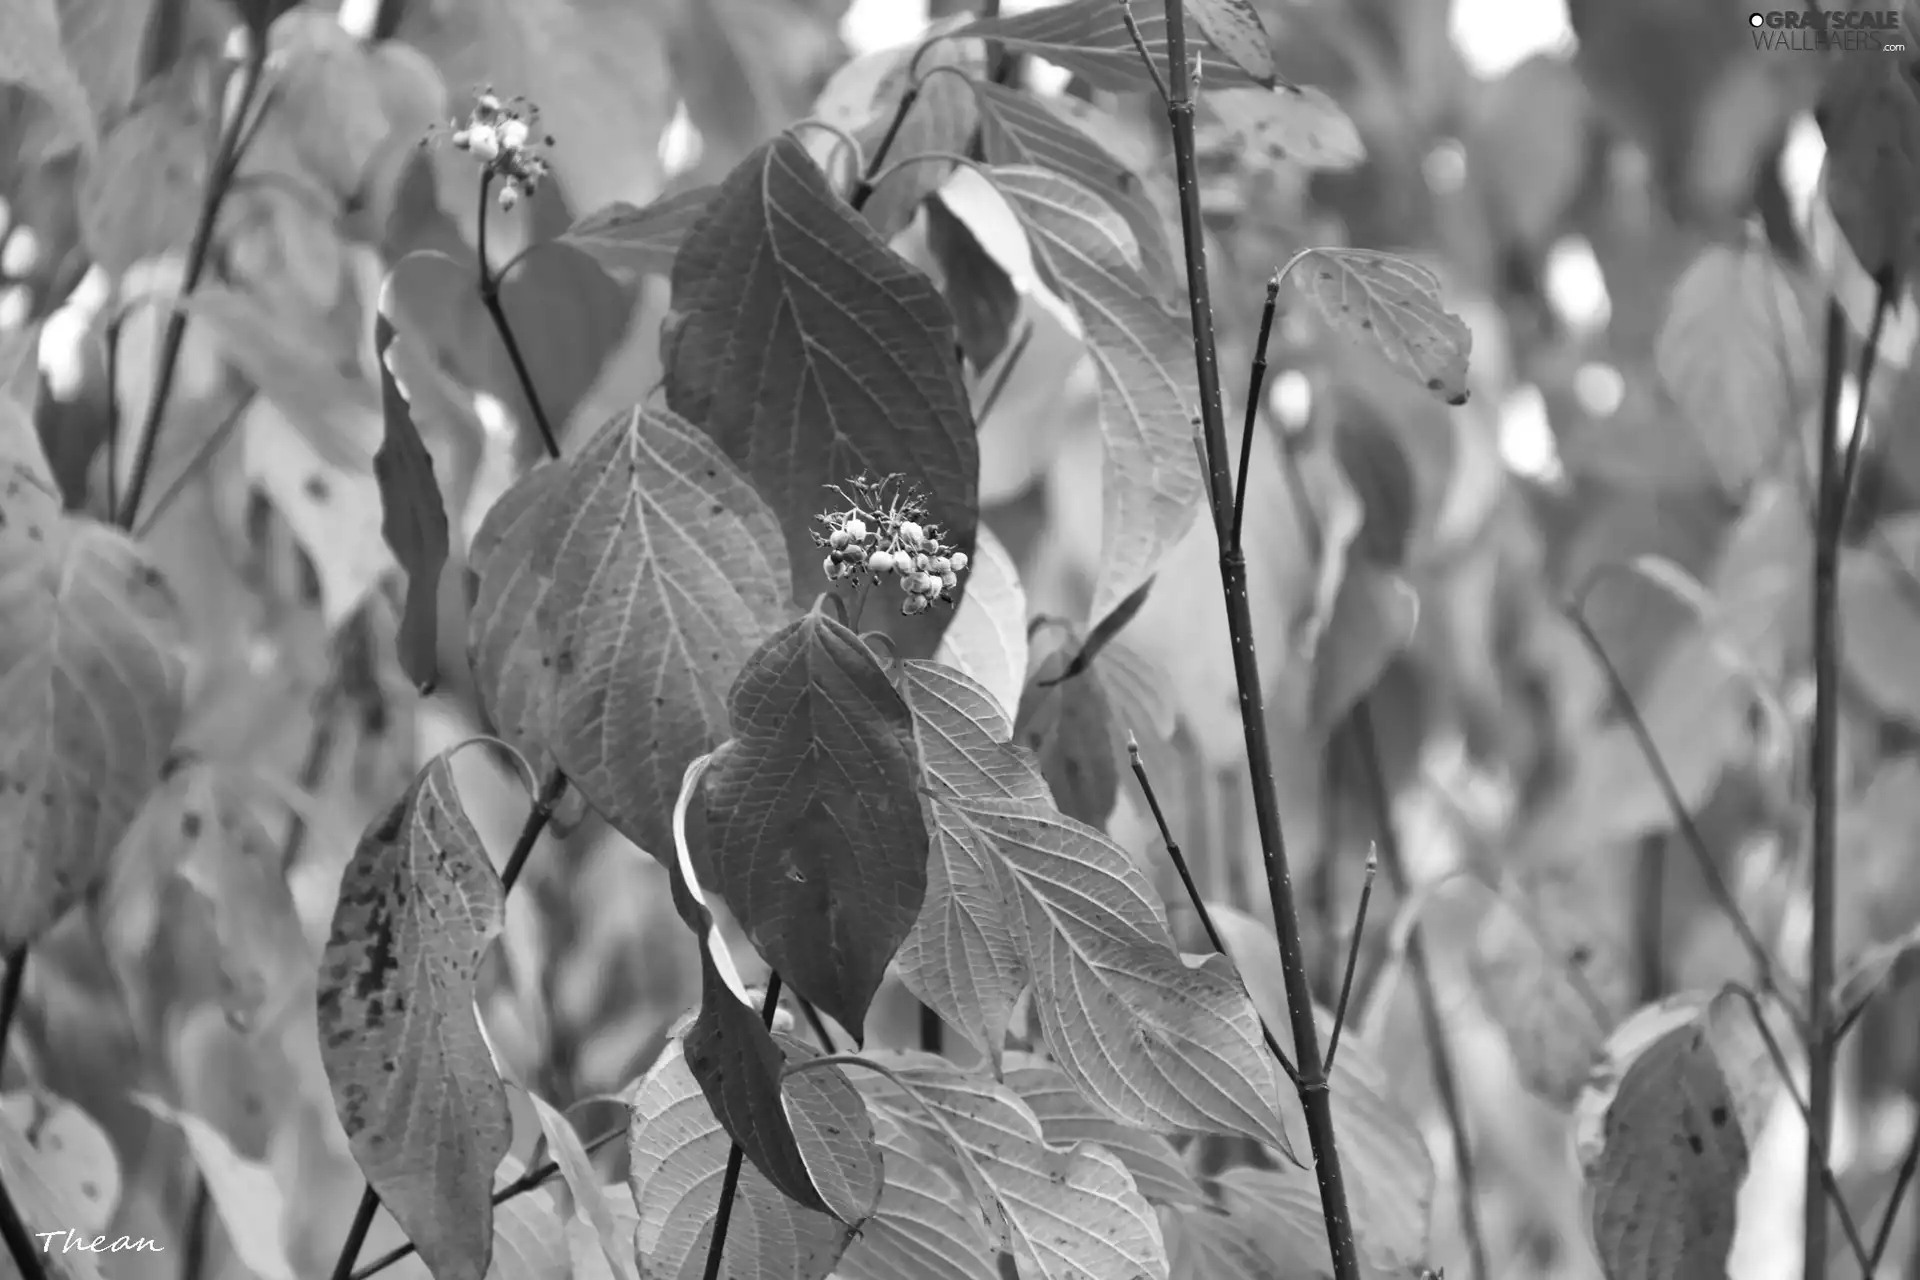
{"type": "Point", "coordinates": [589, 1205]}
{"type": "Point", "coordinates": [1103, 632]}
{"type": "Point", "coordinates": [327, 98]}
{"type": "Point", "coordinates": [1268, 128]}
{"type": "Point", "coordinates": [244, 1192]}
{"type": "Point", "coordinates": [413, 519]}
{"type": "Point", "coordinates": [1372, 623]}
{"type": "Point", "coordinates": [1067, 1119]}
{"type": "Point", "coordinates": [962, 958]}
{"type": "Point", "coordinates": [987, 639]}
{"type": "Point", "coordinates": [568, 318]}
{"type": "Point", "coordinates": [1062, 1214]}
{"type": "Point", "coordinates": [1880, 603]}
{"type": "Point", "coordinates": [1209, 1245]}
{"type": "Point", "coordinates": [942, 122]}
{"type": "Point", "coordinates": [91, 682]}
{"type": "Point", "coordinates": [811, 353]}
{"type": "Point", "coordinates": [503, 640]}
{"type": "Point", "coordinates": [1734, 351]}
{"type": "Point", "coordinates": [984, 301]}
{"type": "Point", "coordinates": [633, 242]}
{"type": "Point", "coordinates": [1089, 38]}
{"type": "Point", "coordinates": [663, 571]}
{"type": "Point", "coordinates": [141, 193]}
{"type": "Point", "coordinates": [412, 1077]}
{"type": "Point", "coordinates": [32, 57]}
{"type": "Point", "coordinates": [1391, 307]}
{"type": "Point", "coordinates": [43, 1204]}
{"type": "Point", "coordinates": [75, 1155]}
{"type": "Point", "coordinates": [923, 1227]}
{"type": "Point", "coordinates": [1871, 121]}
{"type": "Point", "coordinates": [1151, 476]}
{"type": "Point", "coordinates": [1233, 27]}
{"type": "Point", "coordinates": [818, 842]}
{"type": "Point", "coordinates": [1070, 728]}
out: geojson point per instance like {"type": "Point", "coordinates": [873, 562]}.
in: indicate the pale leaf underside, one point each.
{"type": "Point", "coordinates": [1067, 1118]}
{"type": "Point", "coordinates": [924, 1228]}
{"type": "Point", "coordinates": [1391, 307]}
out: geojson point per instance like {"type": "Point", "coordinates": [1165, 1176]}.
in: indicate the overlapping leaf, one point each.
{"type": "Point", "coordinates": [1063, 1214]}
{"type": "Point", "coordinates": [91, 677]}
{"type": "Point", "coordinates": [679, 1158]}
{"type": "Point", "coordinates": [1069, 725]}
{"type": "Point", "coordinates": [583, 1183]}
{"type": "Point", "coordinates": [664, 571]}
{"type": "Point", "coordinates": [74, 1156]}
{"type": "Point", "coordinates": [1089, 37]}
{"type": "Point", "coordinates": [141, 191]}
{"type": "Point", "coordinates": [413, 1079]}
{"type": "Point", "coordinates": [987, 639]}
{"type": "Point", "coordinates": [922, 1228]}
{"type": "Point", "coordinates": [962, 958]}
{"type": "Point", "coordinates": [1233, 27]}
{"type": "Point", "coordinates": [1151, 476]}
{"type": "Point", "coordinates": [1067, 1119]}
{"type": "Point", "coordinates": [818, 842]}
{"type": "Point", "coordinates": [505, 588]}
{"type": "Point", "coordinates": [31, 56]}
{"type": "Point", "coordinates": [941, 122]}
{"type": "Point", "coordinates": [983, 297]}
{"type": "Point", "coordinates": [1018, 129]}
{"type": "Point", "coordinates": [1391, 307]}
{"type": "Point", "coordinates": [631, 242]}
{"type": "Point", "coordinates": [812, 353]}
{"type": "Point", "coordinates": [249, 1200]}
{"type": "Point", "coordinates": [413, 519]}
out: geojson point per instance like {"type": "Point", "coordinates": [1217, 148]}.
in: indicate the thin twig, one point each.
{"type": "Point", "coordinates": [10, 988]}
{"type": "Point", "coordinates": [1856, 443]}
{"type": "Point", "coordinates": [1256, 387]}
{"type": "Point", "coordinates": [1193, 894]}
{"type": "Point", "coordinates": [730, 1182]}
{"type": "Point", "coordinates": [1353, 959]}
{"type": "Point", "coordinates": [1140, 47]}
{"type": "Point", "coordinates": [208, 447]}
{"type": "Point", "coordinates": [814, 1020]}
{"type": "Point", "coordinates": [193, 1252]}
{"type": "Point", "coordinates": [490, 297]}
{"type": "Point", "coordinates": [12, 1227]}
{"type": "Point", "coordinates": [226, 161]}
{"type": "Point", "coordinates": [1446, 1080]}
{"type": "Point", "coordinates": [1315, 1099]}
{"type": "Point", "coordinates": [1901, 1181]}
{"type": "Point", "coordinates": [1828, 507]}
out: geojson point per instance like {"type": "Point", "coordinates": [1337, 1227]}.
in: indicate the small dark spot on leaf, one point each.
{"type": "Point", "coordinates": [317, 488]}
{"type": "Point", "coordinates": [1719, 1117]}
{"type": "Point", "coordinates": [1579, 956]}
{"type": "Point", "coordinates": [1434, 384]}
{"type": "Point", "coordinates": [190, 826]}
{"type": "Point", "coordinates": [1693, 1140]}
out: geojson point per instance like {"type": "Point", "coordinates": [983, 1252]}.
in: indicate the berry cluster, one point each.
{"type": "Point", "coordinates": [883, 530]}
{"type": "Point", "coordinates": [500, 134]}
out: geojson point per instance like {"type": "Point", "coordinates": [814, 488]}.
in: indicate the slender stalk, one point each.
{"type": "Point", "coordinates": [1353, 960]}
{"type": "Point", "coordinates": [1256, 387]}
{"type": "Point", "coordinates": [730, 1181]}
{"type": "Point", "coordinates": [1140, 47]}
{"type": "Point", "coordinates": [490, 298]}
{"type": "Point", "coordinates": [818, 1024]}
{"type": "Point", "coordinates": [10, 988]}
{"type": "Point", "coordinates": [1650, 915]}
{"type": "Point", "coordinates": [863, 190]}
{"type": "Point", "coordinates": [1315, 1099]}
{"type": "Point", "coordinates": [1901, 1181]}
{"type": "Point", "coordinates": [1828, 506]}
{"type": "Point", "coordinates": [1446, 1080]}
{"type": "Point", "coordinates": [193, 1252]}
{"type": "Point", "coordinates": [1856, 442]}
{"type": "Point", "coordinates": [226, 161]}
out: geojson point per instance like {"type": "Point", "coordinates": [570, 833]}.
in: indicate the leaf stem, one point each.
{"type": "Point", "coordinates": [814, 1021]}
{"type": "Point", "coordinates": [730, 1182]}
{"type": "Point", "coordinates": [1193, 894]}
{"type": "Point", "coordinates": [1856, 442]}
{"type": "Point", "coordinates": [10, 988]}
{"type": "Point", "coordinates": [12, 1227]}
{"type": "Point", "coordinates": [1353, 958]}
{"type": "Point", "coordinates": [1446, 1081]}
{"type": "Point", "coordinates": [863, 190]}
{"type": "Point", "coordinates": [490, 298]}
{"type": "Point", "coordinates": [1829, 509]}
{"type": "Point", "coordinates": [1140, 47]}
{"type": "Point", "coordinates": [1315, 1099]}
{"type": "Point", "coordinates": [193, 1252]}
{"type": "Point", "coordinates": [1256, 385]}
{"type": "Point", "coordinates": [356, 1234]}
{"type": "Point", "coordinates": [226, 161]}
{"type": "Point", "coordinates": [1901, 1181]}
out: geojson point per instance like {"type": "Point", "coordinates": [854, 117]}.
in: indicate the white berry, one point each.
{"type": "Point", "coordinates": [881, 562]}
{"type": "Point", "coordinates": [513, 134]}
{"type": "Point", "coordinates": [912, 534]}
{"type": "Point", "coordinates": [484, 142]}
{"type": "Point", "coordinates": [856, 528]}
{"type": "Point", "coordinates": [958, 561]}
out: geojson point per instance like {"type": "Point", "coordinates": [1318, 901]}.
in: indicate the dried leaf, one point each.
{"type": "Point", "coordinates": [1391, 307]}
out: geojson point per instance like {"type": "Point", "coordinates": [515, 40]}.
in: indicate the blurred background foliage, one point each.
{"type": "Point", "coordinates": [1624, 199]}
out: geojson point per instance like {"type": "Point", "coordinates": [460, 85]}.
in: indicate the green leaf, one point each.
{"type": "Point", "coordinates": [664, 571]}
{"type": "Point", "coordinates": [413, 1079]}
{"type": "Point", "coordinates": [140, 195]}
{"type": "Point", "coordinates": [91, 647]}
{"type": "Point", "coordinates": [819, 846]}
{"type": "Point", "coordinates": [1019, 129]}
{"type": "Point", "coordinates": [987, 639]}
{"type": "Point", "coordinates": [245, 1193]}
{"type": "Point", "coordinates": [1733, 351]}
{"type": "Point", "coordinates": [1089, 38]}
{"type": "Point", "coordinates": [922, 1228]}
{"type": "Point", "coordinates": [43, 1204]}
{"type": "Point", "coordinates": [32, 57]}
{"type": "Point", "coordinates": [1062, 1214]}
{"type": "Point", "coordinates": [1391, 307]}
{"type": "Point", "coordinates": [1662, 1190]}
{"type": "Point", "coordinates": [633, 242]}
{"type": "Point", "coordinates": [1269, 128]}
{"type": "Point", "coordinates": [962, 959]}
{"type": "Point", "coordinates": [1072, 731]}
{"type": "Point", "coordinates": [984, 300]}
{"type": "Point", "coordinates": [1151, 481]}
{"type": "Point", "coordinates": [510, 676]}
{"type": "Point", "coordinates": [679, 1157]}
{"type": "Point", "coordinates": [812, 353]}
{"type": "Point", "coordinates": [413, 519]}
{"type": "Point", "coordinates": [1372, 623]}
{"type": "Point", "coordinates": [1155, 1042]}
{"type": "Point", "coordinates": [1067, 1118]}
{"type": "Point", "coordinates": [1233, 27]}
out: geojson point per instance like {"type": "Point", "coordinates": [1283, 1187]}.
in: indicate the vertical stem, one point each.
{"type": "Point", "coordinates": [193, 1252]}
{"type": "Point", "coordinates": [10, 988]}
{"type": "Point", "coordinates": [1650, 914]}
{"type": "Point", "coordinates": [1315, 1099]}
{"type": "Point", "coordinates": [490, 297]}
{"type": "Point", "coordinates": [1826, 781]}
{"type": "Point", "coordinates": [730, 1182]}
{"type": "Point", "coordinates": [12, 1228]}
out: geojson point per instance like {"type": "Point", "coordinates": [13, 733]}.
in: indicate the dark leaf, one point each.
{"type": "Point", "coordinates": [413, 519]}
{"type": "Point", "coordinates": [1144, 356]}
{"type": "Point", "coordinates": [664, 572]}
{"type": "Point", "coordinates": [984, 301]}
{"type": "Point", "coordinates": [1089, 37]}
{"type": "Point", "coordinates": [1102, 634]}
{"type": "Point", "coordinates": [633, 242]}
{"type": "Point", "coordinates": [1372, 624]}
{"type": "Point", "coordinates": [413, 1080]}
{"type": "Point", "coordinates": [1018, 129]}
{"type": "Point", "coordinates": [812, 353]}
{"type": "Point", "coordinates": [819, 846]}
{"type": "Point", "coordinates": [568, 317]}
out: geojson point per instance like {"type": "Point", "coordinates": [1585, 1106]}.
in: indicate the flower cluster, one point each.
{"type": "Point", "coordinates": [500, 134]}
{"type": "Point", "coordinates": [883, 531]}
